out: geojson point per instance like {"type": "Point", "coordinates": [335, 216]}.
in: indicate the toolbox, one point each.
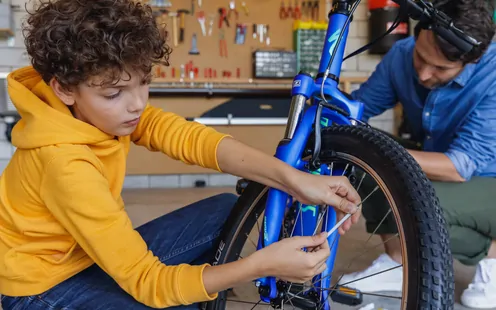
{"type": "Point", "coordinates": [274, 64]}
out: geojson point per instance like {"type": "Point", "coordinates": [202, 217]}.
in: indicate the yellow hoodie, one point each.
{"type": "Point", "coordinates": [60, 199]}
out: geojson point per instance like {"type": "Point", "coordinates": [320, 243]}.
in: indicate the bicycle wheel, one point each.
{"type": "Point", "coordinates": [427, 264]}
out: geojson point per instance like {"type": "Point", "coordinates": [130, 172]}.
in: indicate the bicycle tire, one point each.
{"type": "Point", "coordinates": [430, 272]}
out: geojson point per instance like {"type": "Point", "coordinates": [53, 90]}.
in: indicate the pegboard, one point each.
{"type": "Point", "coordinates": [238, 62]}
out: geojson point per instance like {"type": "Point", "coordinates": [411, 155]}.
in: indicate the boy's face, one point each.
{"type": "Point", "coordinates": [114, 109]}
{"type": "Point", "coordinates": [433, 69]}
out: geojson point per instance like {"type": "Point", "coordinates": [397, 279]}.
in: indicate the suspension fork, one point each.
{"type": "Point", "coordinates": [277, 201]}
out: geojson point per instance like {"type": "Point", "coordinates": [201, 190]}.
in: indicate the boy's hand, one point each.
{"type": "Point", "coordinates": [327, 190]}
{"type": "Point", "coordinates": [286, 260]}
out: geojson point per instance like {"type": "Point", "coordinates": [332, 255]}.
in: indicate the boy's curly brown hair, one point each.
{"type": "Point", "coordinates": [74, 40]}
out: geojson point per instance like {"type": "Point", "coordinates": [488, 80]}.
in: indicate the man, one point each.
{"type": "Point", "coordinates": [449, 100]}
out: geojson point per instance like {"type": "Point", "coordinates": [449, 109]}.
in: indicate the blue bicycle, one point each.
{"type": "Point", "coordinates": [327, 137]}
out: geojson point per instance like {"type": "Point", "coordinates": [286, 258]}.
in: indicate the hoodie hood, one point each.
{"type": "Point", "coordinates": [45, 119]}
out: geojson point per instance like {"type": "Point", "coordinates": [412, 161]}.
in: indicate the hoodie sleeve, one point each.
{"type": "Point", "coordinates": [191, 142]}
{"type": "Point", "coordinates": [78, 196]}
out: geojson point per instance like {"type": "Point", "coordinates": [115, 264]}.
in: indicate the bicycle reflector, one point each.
{"type": "Point", "coordinates": [347, 296]}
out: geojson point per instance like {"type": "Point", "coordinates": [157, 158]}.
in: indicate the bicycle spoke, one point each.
{"type": "Point", "coordinates": [258, 302]}
{"type": "Point", "coordinates": [258, 225]}
{"type": "Point", "coordinates": [325, 300]}
{"type": "Point", "coordinates": [375, 246]}
{"type": "Point", "coordinates": [296, 220]}
{"type": "Point", "coordinates": [252, 242]}
{"type": "Point", "coordinates": [361, 180]}
{"type": "Point", "coordinates": [372, 275]}
{"type": "Point", "coordinates": [321, 217]}
{"type": "Point", "coordinates": [248, 302]}
{"type": "Point", "coordinates": [345, 168]}
{"type": "Point", "coordinates": [378, 225]}
{"type": "Point", "coordinates": [363, 293]}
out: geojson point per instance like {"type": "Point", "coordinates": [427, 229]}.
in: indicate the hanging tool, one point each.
{"type": "Point", "coordinates": [254, 31]}
{"type": "Point", "coordinates": [315, 11]}
{"type": "Point", "coordinates": [181, 13]}
{"type": "Point", "coordinates": [199, 3]}
{"type": "Point", "coordinates": [173, 15]}
{"type": "Point", "coordinates": [245, 8]}
{"type": "Point", "coordinates": [261, 33]}
{"type": "Point", "coordinates": [211, 24]}
{"type": "Point", "coordinates": [194, 49]}
{"type": "Point", "coordinates": [160, 15]}
{"type": "Point", "coordinates": [240, 34]}
{"type": "Point", "coordinates": [285, 13]}
{"type": "Point", "coordinates": [182, 75]}
{"type": "Point", "coordinates": [192, 6]}
{"type": "Point", "coordinates": [222, 44]}
{"type": "Point", "coordinates": [232, 8]}
{"type": "Point", "coordinates": [267, 40]}
{"type": "Point", "coordinates": [223, 17]}
{"type": "Point", "coordinates": [201, 20]}
{"type": "Point", "coordinates": [297, 11]}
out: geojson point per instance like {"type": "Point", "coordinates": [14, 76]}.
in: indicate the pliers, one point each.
{"type": "Point", "coordinates": [285, 13]}
{"type": "Point", "coordinates": [223, 17]}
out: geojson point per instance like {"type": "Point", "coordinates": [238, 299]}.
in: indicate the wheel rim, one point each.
{"type": "Point", "coordinates": [389, 196]}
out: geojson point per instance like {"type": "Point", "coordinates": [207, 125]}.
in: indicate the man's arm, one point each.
{"type": "Point", "coordinates": [473, 148]}
{"type": "Point", "coordinates": [377, 93]}
{"type": "Point", "coordinates": [437, 166]}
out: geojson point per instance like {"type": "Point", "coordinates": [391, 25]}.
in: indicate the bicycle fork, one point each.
{"type": "Point", "coordinates": [290, 150]}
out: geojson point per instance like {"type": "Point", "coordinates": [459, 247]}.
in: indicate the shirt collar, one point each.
{"type": "Point", "coordinates": [465, 75]}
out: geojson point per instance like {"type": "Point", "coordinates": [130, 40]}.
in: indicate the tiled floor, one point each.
{"type": "Point", "coordinates": [145, 205]}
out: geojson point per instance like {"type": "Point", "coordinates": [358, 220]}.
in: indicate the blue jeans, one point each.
{"type": "Point", "coordinates": [188, 235]}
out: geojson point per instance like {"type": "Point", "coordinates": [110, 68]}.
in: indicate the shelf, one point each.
{"type": "Point", "coordinates": [222, 87]}
{"type": "Point", "coordinates": [232, 87]}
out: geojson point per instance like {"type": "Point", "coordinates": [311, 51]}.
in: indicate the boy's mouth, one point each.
{"type": "Point", "coordinates": [133, 122]}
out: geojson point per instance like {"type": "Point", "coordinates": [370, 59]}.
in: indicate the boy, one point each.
{"type": "Point", "coordinates": [66, 241]}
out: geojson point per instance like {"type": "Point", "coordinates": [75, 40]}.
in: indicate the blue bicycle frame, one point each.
{"type": "Point", "coordinates": [290, 150]}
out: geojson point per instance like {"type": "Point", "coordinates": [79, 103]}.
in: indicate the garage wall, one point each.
{"type": "Point", "coordinates": [13, 56]}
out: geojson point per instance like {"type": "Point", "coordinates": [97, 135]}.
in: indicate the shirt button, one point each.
{"type": "Point", "coordinates": [427, 114]}
{"type": "Point", "coordinates": [428, 137]}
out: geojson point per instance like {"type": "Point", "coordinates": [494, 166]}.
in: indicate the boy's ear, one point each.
{"type": "Point", "coordinates": [65, 95]}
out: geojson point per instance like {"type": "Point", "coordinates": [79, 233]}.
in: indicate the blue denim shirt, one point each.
{"type": "Point", "coordinates": [457, 119]}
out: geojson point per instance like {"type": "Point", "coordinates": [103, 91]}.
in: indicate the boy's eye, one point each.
{"type": "Point", "coordinates": [113, 96]}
